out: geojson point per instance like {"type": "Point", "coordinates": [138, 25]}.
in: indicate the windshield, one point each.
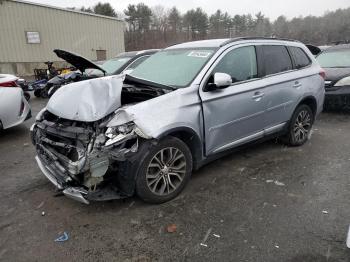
{"type": "Point", "coordinates": [176, 68]}
{"type": "Point", "coordinates": [114, 64]}
{"type": "Point", "coordinates": [340, 58]}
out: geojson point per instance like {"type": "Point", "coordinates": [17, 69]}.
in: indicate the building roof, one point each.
{"type": "Point", "coordinates": [65, 9]}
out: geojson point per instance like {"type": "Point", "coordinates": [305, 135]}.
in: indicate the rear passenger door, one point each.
{"type": "Point", "coordinates": [281, 88]}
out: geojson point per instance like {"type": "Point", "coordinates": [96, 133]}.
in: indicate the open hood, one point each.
{"type": "Point", "coordinates": [88, 100]}
{"type": "Point", "coordinates": [77, 61]}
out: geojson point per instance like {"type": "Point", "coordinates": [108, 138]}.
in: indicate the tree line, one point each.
{"type": "Point", "coordinates": [158, 27]}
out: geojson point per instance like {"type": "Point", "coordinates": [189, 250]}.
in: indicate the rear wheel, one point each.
{"type": "Point", "coordinates": [165, 171]}
{"type": "Point", "coordinates": [300, 126]}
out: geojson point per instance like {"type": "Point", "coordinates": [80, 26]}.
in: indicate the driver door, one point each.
{"type": "Point", "coordinates": [236, 114]}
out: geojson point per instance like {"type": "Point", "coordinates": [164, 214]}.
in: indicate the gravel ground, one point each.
{"type": "Point", "coordinates": [266, 203]}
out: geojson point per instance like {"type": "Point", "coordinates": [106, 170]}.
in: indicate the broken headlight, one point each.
{"type": "Point", "coordinates": [119, 133]}
{"type": "Point", "coordinates": [122, 129]}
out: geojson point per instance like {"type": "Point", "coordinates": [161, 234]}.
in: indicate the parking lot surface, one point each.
{"type": "Point", "coordinates": [265, 203]}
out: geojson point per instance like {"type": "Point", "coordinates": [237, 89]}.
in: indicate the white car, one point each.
{"type": "Point", "coordinates": [7, 80]}
{"type": "Point", "coordinates": [14, 108]}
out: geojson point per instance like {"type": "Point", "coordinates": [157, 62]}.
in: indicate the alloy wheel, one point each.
{"type": "Point", "coordinates": [166, 171]}
{"type": "Point", "coordinates": [302, 126]}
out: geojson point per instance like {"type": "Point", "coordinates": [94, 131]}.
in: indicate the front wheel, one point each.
{"type": "Point", "coordinates": [44, 93]}
{"type": "Point", "coordinates": [300, 126]}
{"type": "Point", "coordinates": [37, 92]}
{"type": "Point", "coordinates": [165, 171]}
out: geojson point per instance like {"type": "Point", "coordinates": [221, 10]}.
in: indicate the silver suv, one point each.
{"type": "Point", "coordinates": [186, 105]}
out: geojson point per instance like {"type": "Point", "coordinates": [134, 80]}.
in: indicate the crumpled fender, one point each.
{"type": "Point", "coordinates": [158, 115]}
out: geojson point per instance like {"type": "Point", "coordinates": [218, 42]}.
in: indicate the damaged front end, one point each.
{"type": "Point", "coordinates": [83, 158]}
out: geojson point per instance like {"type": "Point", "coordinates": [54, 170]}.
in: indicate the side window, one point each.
{"type": "Point", "coordinates": [276, 59]}
{"type": "Point", "coordinates": [138, 61]}
{"type": "Point", "coordinates": [239, 63]}
{"type": "Point", "coordinates": [300, 58]}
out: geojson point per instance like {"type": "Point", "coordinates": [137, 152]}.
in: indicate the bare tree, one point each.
{"type": "Point", "coordinates": [157, 27]}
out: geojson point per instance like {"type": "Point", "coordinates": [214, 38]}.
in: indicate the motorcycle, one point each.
{"type": "Point", "coordinates": [42, 76]}
{"type": "Point", "coordinates": [56, 82]}
{"type": "Point", "coordinates": [74, 74]}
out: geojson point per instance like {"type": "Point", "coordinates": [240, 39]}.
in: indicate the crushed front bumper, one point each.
{"type": "Point", "coordinates": [75, 193]}
{"type": "Point", "coordinates": [68, 176]}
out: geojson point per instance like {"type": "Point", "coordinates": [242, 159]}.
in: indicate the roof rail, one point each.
{"type": "Point", "coordinates": [255, 38]}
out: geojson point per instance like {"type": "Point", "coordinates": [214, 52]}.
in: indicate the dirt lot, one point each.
{"type": "Point", "coordinates": [266, 203]}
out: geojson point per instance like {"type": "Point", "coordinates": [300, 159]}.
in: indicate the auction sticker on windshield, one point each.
{"type": "Point", "coordinates": [201, 54]}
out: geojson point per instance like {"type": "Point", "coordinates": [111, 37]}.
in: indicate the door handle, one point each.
{"type": "Point", "coordinates": [297, 84]}
{"type": "Point", "coordinates": [257, 96]}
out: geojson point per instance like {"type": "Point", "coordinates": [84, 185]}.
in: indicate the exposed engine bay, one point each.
{"type": "Point", "coordinates": [82, 158]}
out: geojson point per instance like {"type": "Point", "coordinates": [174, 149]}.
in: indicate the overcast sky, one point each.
{"type": "Point", "coordinates": [271, 8]}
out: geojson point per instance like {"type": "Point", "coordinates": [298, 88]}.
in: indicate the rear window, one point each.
{"type": "Point", "coordinates": [300, 58]}
{"type": "Point", "coordinates": [276, 59]}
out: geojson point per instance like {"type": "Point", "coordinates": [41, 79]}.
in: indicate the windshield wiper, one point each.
{"type": "Point", "coordinates": [147, 82]}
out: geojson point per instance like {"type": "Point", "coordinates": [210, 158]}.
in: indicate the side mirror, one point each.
{"type": "Point", "coordinates": [220, 81]}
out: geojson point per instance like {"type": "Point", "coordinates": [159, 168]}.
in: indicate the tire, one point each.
{"type": "Point", "coordinates": [300, 126]}
{"type": "Point", "coordinates": [44, 93]}
{"type": "Point", "coordinates": [153, 174]}
{"type": "Point", "coordinates": [37, 93]}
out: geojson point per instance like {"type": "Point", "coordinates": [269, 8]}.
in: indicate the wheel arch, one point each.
{"type": "Point", "coordinates": [190, 138]}
{"type": "Point", "coordinates": [311, 102]}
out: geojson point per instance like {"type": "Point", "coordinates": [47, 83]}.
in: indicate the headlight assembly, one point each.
{"type": "Point", "coordinates": [343, 82]}
{"type": "Point", "coordinates": [120, 133]}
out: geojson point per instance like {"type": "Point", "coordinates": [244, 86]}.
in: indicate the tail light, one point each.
{"type": "Point", "coordinates": [322, 73]}
{"type": "Point", "coordinates": [21, 109]}
{"type": "Point", "coordinates": [9, 84]}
